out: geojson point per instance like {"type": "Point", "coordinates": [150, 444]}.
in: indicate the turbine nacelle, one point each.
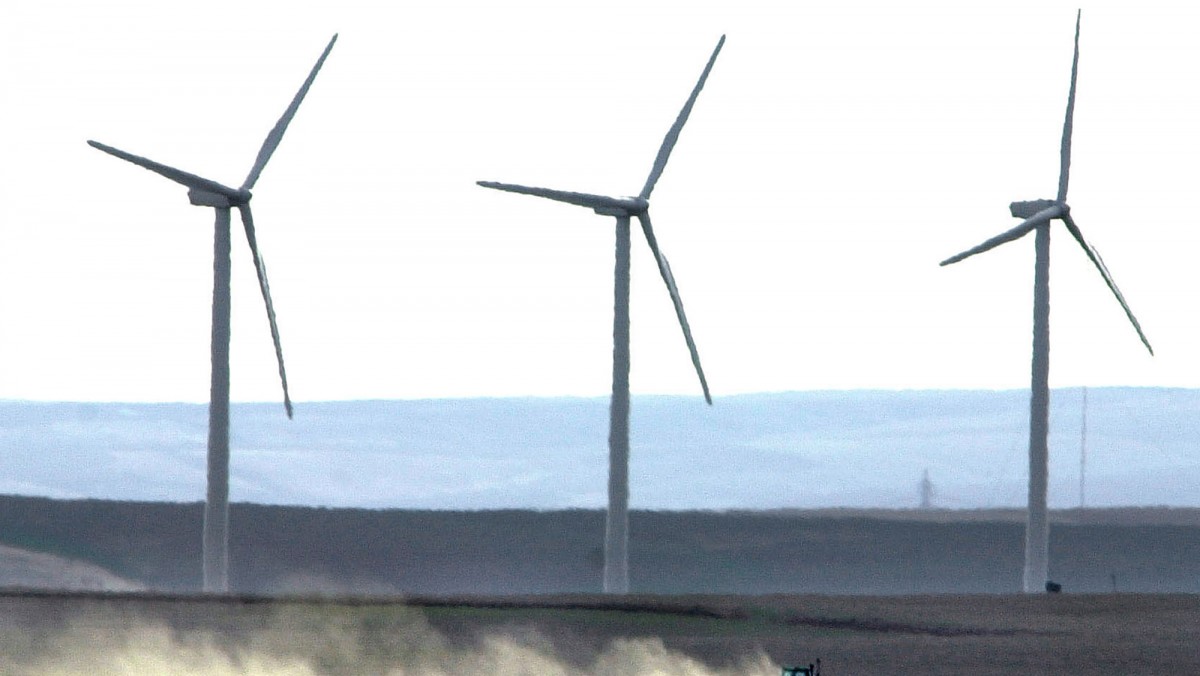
{"type": "Point", "coordinates": [1031, 208]}
{"type": "Point", "coordinates": [208, 198]}
{"type": "Point", "coordinates": [623, 207]}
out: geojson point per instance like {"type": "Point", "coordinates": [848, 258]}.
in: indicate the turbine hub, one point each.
{"type": "Point", "coordinates": [207, 198]}
{"type": "Point", "coordinates": [623, 207]}
{"type": "Point", "coordinates": [1029, 208]}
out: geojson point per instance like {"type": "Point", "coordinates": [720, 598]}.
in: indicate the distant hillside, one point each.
{"type": "Point", "coordinates": [763, 451]}
{"type": "Point", "coordinates": [25, 569]}
{"type": "Point", "coordinates": [286, 549]}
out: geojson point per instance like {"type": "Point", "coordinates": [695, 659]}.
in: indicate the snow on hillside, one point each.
{"type": "Point", "coordinates": [797, 449]}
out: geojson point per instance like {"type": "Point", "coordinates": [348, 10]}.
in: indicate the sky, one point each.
{"type": "Point", "coordinates": [837, 153]}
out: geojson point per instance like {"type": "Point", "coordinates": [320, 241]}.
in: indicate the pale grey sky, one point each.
{"type": "Point", "coordinates": [836, 155]}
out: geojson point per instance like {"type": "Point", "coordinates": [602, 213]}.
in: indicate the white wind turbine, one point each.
{"type": "Point", "coordinates": [1037, 215]}
{"type": "Point", "coordinates": [616, 532]}
{"type": "Point", "coordinates": [206, 193]}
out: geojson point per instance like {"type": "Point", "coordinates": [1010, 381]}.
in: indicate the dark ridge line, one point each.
{"type": "Point", "coordinates": [649, 605]}
{"type": "Point", "coordinates": [617, 605]}
{"type": "Point", "coordinates": [885, 627]}
{"type": "Point", "coordinates": [496, 603]}
{"type": "Point", "coordinates": [202, 597]}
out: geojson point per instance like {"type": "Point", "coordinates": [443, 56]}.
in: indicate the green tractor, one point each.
{"type": "Point", "coordinates": [810, 670]}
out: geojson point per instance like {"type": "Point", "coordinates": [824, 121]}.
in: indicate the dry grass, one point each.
{"type": "Point", "coordinates": [940, 634]}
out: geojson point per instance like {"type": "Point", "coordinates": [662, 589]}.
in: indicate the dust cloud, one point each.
{"type": "Point", "coordinates": [309, 644]}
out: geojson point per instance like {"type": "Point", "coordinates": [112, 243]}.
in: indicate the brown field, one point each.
{"type": "Point", "coordinates": [135, 633]}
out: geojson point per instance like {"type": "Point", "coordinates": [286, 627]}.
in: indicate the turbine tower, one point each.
{"type": "Point", "coordinates": [616, 531]}
{"type": "Point", "coordinates": [1037, 215]}
{"type": "Point", "coordinates": [206, 193]}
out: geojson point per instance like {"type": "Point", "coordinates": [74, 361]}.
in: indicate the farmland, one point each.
{"type": "Point", "coordinates": [324, 591]}
{"type": "Point", "coordinates": [589, 634]}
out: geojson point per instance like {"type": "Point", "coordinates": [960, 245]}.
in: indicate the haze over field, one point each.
{"type": "Point", "coordinates": [802, 449]}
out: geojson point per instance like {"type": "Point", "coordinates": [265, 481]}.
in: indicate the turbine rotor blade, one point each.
{"type": "Point", "coordinates": [1094, 256]}
{"type": "Point", "coordinates": [179, 176]}
{"type": "Point", "coordinates": [276, 134]}
{"type": "Point", "coordinates": [668, 144]}
{"type": "Point", "coordinates": [1018, 232]}
{"type": "Point", "coordinates": [261, 269]}
{"type": "Point", "coordinates": [664, 269]}
{"type": "Point", "coordinates": [1064, 171]}
{"type": "Point", "coordinates": [578, 198]}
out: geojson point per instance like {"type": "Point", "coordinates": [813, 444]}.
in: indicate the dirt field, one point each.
{"type": "Point", "coordinates": [44, 633]}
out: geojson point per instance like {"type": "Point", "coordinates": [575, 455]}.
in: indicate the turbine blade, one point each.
{"type": "Point", "coordinates": [276, 135]}
{"type": "Point", "coordinates": [261, 269]}
{"type": "Point", "coordinates": [668, 143]}
{"type": "Point", "coordinates": [664, 269]}
{"type": "Point", "coordinates": [179, 176]}
{"type": "Point", "coordinates": [1064, 171]}
{"type": "Point", "coordinates": [1018, 232]}
{"type": "Point", "coordinates": [578, 198]}
{"type": "Point", "coordinates": [1094, 256]}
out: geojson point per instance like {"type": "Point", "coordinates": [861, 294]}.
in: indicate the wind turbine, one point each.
{"type": "Point", "coordinates": [206, 193]}
{"type": "Point", "coordinates": [616, 531]}
{"type": "Point", "coordinates": [1037, 215]}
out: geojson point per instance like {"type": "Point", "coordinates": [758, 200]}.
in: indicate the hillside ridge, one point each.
{"type": "Point", "coordinates": [305, 550]}
{"type": "Point", "coordinates": [855, 448]}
